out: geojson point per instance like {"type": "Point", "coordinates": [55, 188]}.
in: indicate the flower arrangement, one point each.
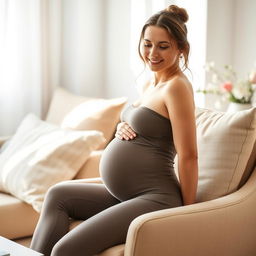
{"type": "Point", "coordinates": [228, 86]}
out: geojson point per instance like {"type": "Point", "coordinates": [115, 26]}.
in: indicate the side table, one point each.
{"type": "Point", "coordinates": [15, 249]}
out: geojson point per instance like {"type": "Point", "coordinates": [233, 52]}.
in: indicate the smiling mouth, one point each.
{"type": "Point", "coordinates": [155, 62]}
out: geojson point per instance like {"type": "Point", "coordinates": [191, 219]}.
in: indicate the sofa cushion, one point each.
{"type": "Point", "coordinates": [117, 250]}
{"type": "Point", "coordinates": [17, 219]}
{"type": "Point", "coordinates": [40, 155]}
{"type": "Point", "coordinates": [83, 113]}
{"type": "Point", "coordinates": [90, 169]}
{"type": "Point", "coordinates": [225, 142]}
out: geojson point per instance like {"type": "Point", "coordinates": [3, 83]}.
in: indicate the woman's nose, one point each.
{"type": "Point", "coordinates": [153, 52]}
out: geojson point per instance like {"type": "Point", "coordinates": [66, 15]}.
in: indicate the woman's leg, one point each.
{"type": "Point", "coordinates": [78, 201]}
{"type": "Point", "coordinates": [105, 229]}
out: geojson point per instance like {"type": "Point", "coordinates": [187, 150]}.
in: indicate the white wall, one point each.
{"type": "Point", "coordinates": [231, 37]}
{"type": "Point", "coordinates": [231, 33]}
{"type": "Point", "coordinates": [244, 35]}
{"type": "Point", "coordinates": [219, 41]}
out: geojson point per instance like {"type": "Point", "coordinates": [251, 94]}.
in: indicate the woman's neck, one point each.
{"type": "Point", "coordinates": [162, 77]}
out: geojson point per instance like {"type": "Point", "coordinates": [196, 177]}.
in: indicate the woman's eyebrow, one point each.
{"type": "Point", "coordinates": [160, 42]}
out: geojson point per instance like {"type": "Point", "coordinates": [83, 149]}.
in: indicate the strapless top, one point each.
{"type": "Point", "coordinates": [143, 164]}
{"type": "Point", "coordinates": [151, 128]}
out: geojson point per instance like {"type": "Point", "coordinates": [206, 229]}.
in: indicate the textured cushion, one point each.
{"type": "Point", "coordinates": [225, 142]}
{"type": "Point", "coordinates": [40, 155]}
{"type": "Point", "coordinates": [81, 113]}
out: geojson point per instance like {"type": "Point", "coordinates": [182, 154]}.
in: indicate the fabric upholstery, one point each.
{"type": "Point", "coordinates": [225, 142]}
{"type": "Point", "coordinates": [40, 155]}
{"type": "Point", "coordinates": [91, 166]}
{"type": "Point", "coordinates": [224, 226]}
{"type": "Point", "coordinates": [249, 167]}
{"type": "Point", "coordinates": [82, 113]}
{"type": "Point", "coordinates": [17, 219]}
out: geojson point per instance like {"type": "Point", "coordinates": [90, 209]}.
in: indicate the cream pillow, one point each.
{"type": "Point", "coordinates": [82, 113]}
{"type": "Point", "coordinates": [225, 142]}
{"type": "Point", "coordinates": [40, 155]}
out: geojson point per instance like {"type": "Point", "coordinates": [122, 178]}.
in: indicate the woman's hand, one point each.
{"type": "Point", "coordinates": [124, 131]}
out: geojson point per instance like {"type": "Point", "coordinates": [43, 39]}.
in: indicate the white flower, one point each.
{"type": "Point", "coordinates": [237, 92]}
{"type": "Point", "coordinates": [241, 91]}
{"type": "Point", "coordinates": [215, 78]}
{"type": "Point", "coordinates": [209, 65]}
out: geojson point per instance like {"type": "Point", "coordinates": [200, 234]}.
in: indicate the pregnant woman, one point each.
{"type": "Point", "coordinates": [137, 165]}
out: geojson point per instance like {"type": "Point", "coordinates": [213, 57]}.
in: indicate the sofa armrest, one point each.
{"type": "Point", "coordinates": [3, 139]}
{"type": "Point", "coordinates": [224, 226]}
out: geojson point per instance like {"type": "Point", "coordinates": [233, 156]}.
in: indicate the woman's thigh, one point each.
{"type": "Point", "coordinates": [105, 229]}
{"type": "Point", "coordinates": [79, 200]}
{"type": "Point", "coordinates": [65, 201]}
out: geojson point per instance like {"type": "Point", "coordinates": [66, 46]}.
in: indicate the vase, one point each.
{"type": "Point", "coordinates": [234, 107]}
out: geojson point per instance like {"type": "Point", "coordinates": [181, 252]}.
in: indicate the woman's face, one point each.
{"type": "Point", "coordinates": [158, 50]}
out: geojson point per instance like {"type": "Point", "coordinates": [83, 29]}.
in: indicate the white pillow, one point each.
{"type": "Point", "coordinates": [41, 154]}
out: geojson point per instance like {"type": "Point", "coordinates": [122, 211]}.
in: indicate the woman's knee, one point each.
{"type": "Point", "coordinates": [59, 249]}
{"type": "Point", "coordinates": [55, 194]}
{"type": "Point", "coordinates": [65, 248]}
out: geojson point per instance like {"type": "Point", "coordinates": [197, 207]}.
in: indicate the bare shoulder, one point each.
{"type": "Point", "coordinates": [179, 91]}
{"type": "Point", "coordinates": [179, 84]}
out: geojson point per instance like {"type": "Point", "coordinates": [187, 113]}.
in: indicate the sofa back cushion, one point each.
{"type": "Point", "coordinates": [83, 113]}
{"type": "Point", "coordinates": [225, 143]}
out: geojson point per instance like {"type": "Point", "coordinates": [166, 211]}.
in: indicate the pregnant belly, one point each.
{"type": "Point", "coordinates": [129, 168]}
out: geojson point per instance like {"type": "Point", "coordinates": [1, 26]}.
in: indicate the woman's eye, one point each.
{"type": "Point", "coordinates": [164, 47]}
{"type": "Point", "coordinates": [147, 45]}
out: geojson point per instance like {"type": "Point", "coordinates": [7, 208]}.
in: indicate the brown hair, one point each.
{"type": "Point", "coordinates": [173, 19]}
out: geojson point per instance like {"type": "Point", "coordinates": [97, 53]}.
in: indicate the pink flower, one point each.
{"type": "Point", "coordinates": [252, 77]}
{"type": "Point", "coordinates": [227, 86]}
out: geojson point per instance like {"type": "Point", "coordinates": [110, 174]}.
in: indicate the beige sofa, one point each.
{"type": "Point", "coordinates": [219, 224]}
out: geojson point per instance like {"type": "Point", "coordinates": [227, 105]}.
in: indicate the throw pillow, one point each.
{"type": "Point", "coordinates": [225, 142]}
{"type": "Point", "coordinates": [41, 154]}
{"type": "Point", "coordinates": [82, 113]}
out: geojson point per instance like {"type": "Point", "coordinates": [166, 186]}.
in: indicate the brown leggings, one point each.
{"type": "Point", "coordinates": [106, 219]}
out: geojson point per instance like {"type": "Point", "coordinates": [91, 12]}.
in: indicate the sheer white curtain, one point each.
{"type": "Point", "coordinates": [26, 48]}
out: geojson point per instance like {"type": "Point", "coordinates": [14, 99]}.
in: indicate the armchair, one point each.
{"type": "Point", "coordinates": [223, 220]}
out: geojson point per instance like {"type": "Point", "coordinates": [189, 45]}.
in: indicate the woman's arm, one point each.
{"type": "Point", "coordinates": [180, 105]}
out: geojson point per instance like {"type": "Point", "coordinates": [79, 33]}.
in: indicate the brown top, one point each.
{"type": "Point", "coordinates": [143, 165]}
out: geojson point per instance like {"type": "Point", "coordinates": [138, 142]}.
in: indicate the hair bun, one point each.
{"type": "Point", "coordinates": [180, 12]}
